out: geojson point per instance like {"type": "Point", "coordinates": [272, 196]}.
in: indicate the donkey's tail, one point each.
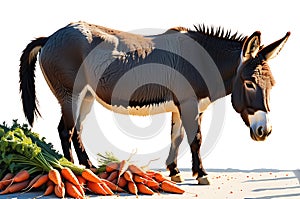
{"type": "Point", "coordinates": [27, 86]}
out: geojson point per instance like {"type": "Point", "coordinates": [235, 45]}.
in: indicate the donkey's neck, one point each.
{"type": "Point", "coordinates": [225, 52]}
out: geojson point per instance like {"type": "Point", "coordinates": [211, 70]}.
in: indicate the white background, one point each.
{"type": "Point", "coordinates": [22, 21]}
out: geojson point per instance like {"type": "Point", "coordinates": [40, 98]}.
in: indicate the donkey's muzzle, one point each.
{"type": "Point", "coordinates": [260, 127]}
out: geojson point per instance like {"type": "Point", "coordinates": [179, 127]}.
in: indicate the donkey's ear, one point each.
{"type": "Point", "coordinates": [251, 46]}
{"type": "Point", "coordinates": [273, 49]}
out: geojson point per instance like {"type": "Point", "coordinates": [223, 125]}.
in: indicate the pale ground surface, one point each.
{"type": "Point", "coordinates": [227, 184]}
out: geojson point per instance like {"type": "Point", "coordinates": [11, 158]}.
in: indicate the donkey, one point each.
{"type": "Point", "coordinates": [180, 71]}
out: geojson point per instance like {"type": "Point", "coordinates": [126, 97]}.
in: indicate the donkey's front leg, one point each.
{"type": "Point", "coordinates": [191, 123]}
{"type": "Point", "coordinates": [177, 133]}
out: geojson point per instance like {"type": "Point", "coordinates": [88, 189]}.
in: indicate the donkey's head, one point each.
{"type": "Point", "coordinates": [252, 85]}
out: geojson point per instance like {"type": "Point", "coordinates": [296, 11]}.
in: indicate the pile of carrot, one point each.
{"type": "Point", "coordinates": [123, 176]}
{"type": "Point", "coordinates": [117, 177]}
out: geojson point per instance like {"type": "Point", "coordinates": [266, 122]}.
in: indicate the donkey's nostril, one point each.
{"type": "Point", "coordinates": [260, 131]}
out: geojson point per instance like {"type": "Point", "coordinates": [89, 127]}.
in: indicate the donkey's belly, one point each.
{"type": "Point", "coordinates": [144, 110]}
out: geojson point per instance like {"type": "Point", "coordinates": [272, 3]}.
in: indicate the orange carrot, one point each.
{"type": "Point", "coordinates": [90, 176]}
{"type": "Point", "coordinates": [152, 184]}
{"type": "Point", "coordinates": [170, 187]}
{"type": "Point", "coordinates": [113, 186]}
{"type": "Point", "coordinates": [60, 190]}
{"type": "Point", "coordinates": [81, 180]}
{"type": "Point", "coordinates": [137, 170]}
{"type": "Point", "coordinates": [139, 179]}
{"type": "Point", "coordinates": [50, 188]}
{"type": "Point", "coordinates": [73, 191]}
{"type": "Point", "coordinates": [96, 188]}
{"type": "Point", "coordinates": [21, 176]}
{"type": "Point", "coordinates": [107, 189]}
{"type": "Point", "coordinates": [42, 180]}
{"type": "Point", "coordinates": [55, 176]}
{"type": "Point", "coordinates": [123, 166]}
{"type": "Point", "coordinates": [80, 189]}
{"type": "Point", "coordinates": [33, 181]}
{"type": "Point", "coordinates": [132, 188]}
{"type": "Point", "coordinates": [6, 180]}
{"type": "Point", "coordinates": [103, 175]}
{"type": "Point", "coordinates": [144, 189]}
{"type": "Point", "coordinates": [15, 187]}
{"type": "Point", "coordinates": [68, 174]}
{"type": "Point", "coordinates": [112, 166]}
{"type": "Point", "coordinates": [128, 176]}
{"type": "Point", "coordinates": [159, 177]}
{"type": "Point", "coordinates": [122, 182]}
{"type": "Point", "coordinates": [113, 175]}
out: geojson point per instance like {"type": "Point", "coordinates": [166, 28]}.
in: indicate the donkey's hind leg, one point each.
{"type": "Point", "coordinates": [177, 133]}
{"type": "Point", "coordinates": [85, 108]}
{"type": "Point", "coordinates": [65, 138]}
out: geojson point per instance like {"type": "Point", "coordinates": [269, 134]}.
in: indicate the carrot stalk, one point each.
{"type": "Point", "coordinates": [73, 191]}
{"type": "Point", "coordinates": [68, 174]}
{"type": "Point", "coordinates": [170, 187]}
{"type": "Point", "coordinates": [90, 176]}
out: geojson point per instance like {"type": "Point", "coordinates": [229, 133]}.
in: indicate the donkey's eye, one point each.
{"type": "Point", "coordinates": [249, 85]}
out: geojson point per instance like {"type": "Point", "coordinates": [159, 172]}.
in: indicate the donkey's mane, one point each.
{"type": "Point", "coordinates": [219, 32]}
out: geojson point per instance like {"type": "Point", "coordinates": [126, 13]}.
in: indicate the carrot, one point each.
{"type": "Point", "coordinates": [68, 174]}
{"type": "Point", "coordinates": [81, 180]}
{"type": "Point", "coordinates": [60, 190]}
{"type": "Point", "coordinates": [73, 191]}
{"type": "Point", "coordinates": [55, 176]}
{"type": "Point", "coordinates": [42, 180]}
{"type": "Point", "coordinates": [50, 188]}
{"type": "Point", "coordinates": [90, 176]}
{"type": "Point", "coordinates": [33, 181]}
{"type": "Point", "coordinates": [15, 187]}
{"type": "Point", "coordinates": [152, 184]}
{"type": "Point", "coordinates": [112, 166]}
{"type": "Point", "coordinates": [96, 188]}
{"type": "Point", "coordinates": [113, 186]}
{"type": "Point", "coordinates": [122, 182]}
{"type": "Point", "coordinates": [6, 180]}
{"type": "Point", "coordinates": [132, 188]}
{"type": "Point", "coordinates": [80, 189]}
{"type": "Point", "coordinates": [128, 176]}
{"type": "Point", "coordinates": [144, 189]}
{"type": "Point", "coordinates": [113, 175]}
{"type": "Point", "coordinates": [103, 175]}
{"type": "Point", "coordinates": [107, 189]}
{"type": "Point", "coordinates": [123, 166]}
{"type": "Point", "coordinates": [137, 170]}
{"type": "Point", "coordinates": [139, 179]}
{"type": "Point", "coordinates": [170, 187]}
{"type": "Point", "coordinates": [21, 176]}
{"type": "Point", "coordinates": [159, 177]}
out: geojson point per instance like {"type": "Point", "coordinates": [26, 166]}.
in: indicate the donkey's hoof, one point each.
{"type": "Point", "coordinates": [203, 181]}
{"type": "Point", "coordinates": [177, 178]}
